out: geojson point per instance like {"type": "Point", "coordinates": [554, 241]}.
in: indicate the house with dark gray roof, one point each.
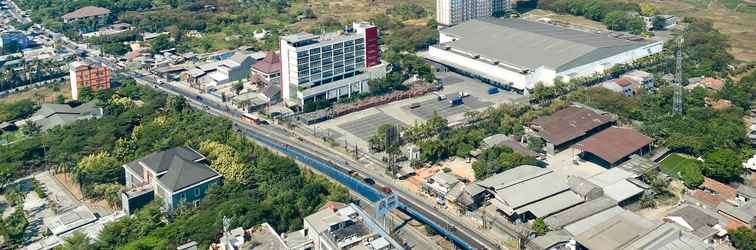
{"type": "Point", "coordinates": [178, 176]}
{"type": "Point", "coordinates": [52, 115]}
{"type": "Point", "coordinates": [702, 223]}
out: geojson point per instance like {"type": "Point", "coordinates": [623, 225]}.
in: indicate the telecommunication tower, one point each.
{"type": "Point", "coordinates": [677, 105]}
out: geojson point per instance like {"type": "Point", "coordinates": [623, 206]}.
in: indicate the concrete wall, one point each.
{"type": "Point", "coordinates": [444, 38]}
{"type": "Point", "coordinates": [606, 63]}
{"type": "Point", "coordinates": [518, 80]}
{"type": "Point", "coordinates": [288, 55]}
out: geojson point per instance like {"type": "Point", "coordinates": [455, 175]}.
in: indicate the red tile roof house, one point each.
{"type": "Point", "coordinates": [711, 193]}
{"type": "Point", "coordinates": [713, 83]}
{"type": "Point", "coordinates": [88, 12]}
{"type": "Point", "coordinates": [625, 86]}
{"type": "Point", "coordinates": [570, 125]}
{"type": "Point", "coordinates": [613, 146]}
{"type": "Point", "coordinates": [267, 70]}
{"type": "Point", "coordinates": [723, 199]}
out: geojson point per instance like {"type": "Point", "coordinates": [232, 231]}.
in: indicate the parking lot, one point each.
{"type": "Point", "coordinates": [444, 109]}
{"type": "Point", "coordinates": [365, 127]}
{"type": "Point", "coordinates": [357, 127]}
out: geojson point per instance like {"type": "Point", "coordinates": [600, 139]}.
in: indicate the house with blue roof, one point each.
{"type": "Point", "coordinates": [178, 176]}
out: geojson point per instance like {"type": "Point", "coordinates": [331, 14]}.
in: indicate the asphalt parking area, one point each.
{"type": "Point", "coordinates": [444, 109]}
{"type": "Point", "coordinates": [365, 127]}
{"type": "Point", "coordinates": [451, 79]}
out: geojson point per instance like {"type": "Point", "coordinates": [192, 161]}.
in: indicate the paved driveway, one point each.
{"type": "Point", "coordinates": [562, 163]}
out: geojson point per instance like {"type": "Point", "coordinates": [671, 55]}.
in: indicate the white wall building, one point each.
{"type": "Point", "coordinates": [451, 12]}
{"type": "Point", "coordinates": [348, 227]}
{"type": "Point", "coordinates": [519, 54]}
{"type": "Point", "coordinates": [330, 66]}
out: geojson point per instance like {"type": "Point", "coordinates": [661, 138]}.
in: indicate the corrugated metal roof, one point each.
{"type": "Point", "coordinates": [533, 190]}
{"type": "Point", "coordinates": [616, 231]}
{"type": "Point", "coordinates": [531, 45]}
{"type": "Point", "coordinates": [579, 212]}
{"type": "Point", "coordinates": [513, 176]}
{"type": "Point", "coordinates": [613, 144]}
{"type": "Point", "coordinates": [667, 237]}
{"type": "Point", "coordinates": [569, 123]}
{"type": "Point", "coordinates": [552, 205]}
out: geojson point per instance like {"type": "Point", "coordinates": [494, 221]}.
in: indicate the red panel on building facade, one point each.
{"type": "Point", "coordinates": [372, 52]}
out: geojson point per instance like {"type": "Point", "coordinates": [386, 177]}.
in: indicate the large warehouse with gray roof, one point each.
{"type": "Point", "coordinates": [520, 53]}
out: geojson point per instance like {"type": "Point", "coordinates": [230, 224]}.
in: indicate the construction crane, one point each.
{"type": "Point", "coordinates": [677, 105]}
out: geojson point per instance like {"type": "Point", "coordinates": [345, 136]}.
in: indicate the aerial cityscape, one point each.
{"type": "Point", "coordinates": [378, 124]}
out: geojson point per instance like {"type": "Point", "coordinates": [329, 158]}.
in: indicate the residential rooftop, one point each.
{"type": "Point", "coordinates": [53, 115]}
{"type": "Point", "coordinates": [87, 11]}
{"type": "Point", "coordinates": [70, 220]}
{"type": "Point", "coordinates": [270, 64]}
{"type": "Point", "coordinates": [182, 167]}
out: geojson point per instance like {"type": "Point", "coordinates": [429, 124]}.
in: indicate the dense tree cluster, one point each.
{"type": "Point", "coordinates": [215, 19]}
{"type": "Point", "coordinates": [743, 238]}
{"type": "Point", "coordinates": [407, 11]}
{"type": "Point", "coordinates": [13, 227]}
{"type": "Point", "coordinates": [706, 49]}
{"type": "Point", "coordinates": [29, 72]}
{"type": "Point", "coordinates": [699, 131]}
{"type": "Point", "coordinates": [115, 44]}
{"type": "Point", "coordinates": [718, 136]}
{"type": "Point", "coordinates": [17, 110]}
{"type": "Point", "coordinates": [498, 159]}
{"type": "Point", "coordinates": [261, 186]}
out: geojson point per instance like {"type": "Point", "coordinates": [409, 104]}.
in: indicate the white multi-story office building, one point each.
{"type": "Point", "coordinates": [451, 12]}
{"type": "Point", "coordinates": [330, 66]}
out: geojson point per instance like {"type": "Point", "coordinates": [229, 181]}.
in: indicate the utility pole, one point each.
{"type": "Point", "coordinates": [677, 105]}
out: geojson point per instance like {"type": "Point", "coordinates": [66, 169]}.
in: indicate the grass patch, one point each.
{"type": "Point", "coordinates": [681, 167]}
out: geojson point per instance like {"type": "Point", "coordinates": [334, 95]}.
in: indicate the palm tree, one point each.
{"type": "Point", "coordinates": [76, 241]}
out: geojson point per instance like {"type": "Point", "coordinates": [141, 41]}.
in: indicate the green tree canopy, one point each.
{"type": "Point", "coordinates": [723, 165]}
{"type": "Point", "coordinates": [743, 238]}
{"type": "Point", "coordinates": [498, 159]}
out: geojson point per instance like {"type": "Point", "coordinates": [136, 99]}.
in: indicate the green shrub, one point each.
{"type": "Point", "coordinates": [37, 188]}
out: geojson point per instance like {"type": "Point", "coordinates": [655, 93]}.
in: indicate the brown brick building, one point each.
{"type": "Point", "coordinates": [83, 75]}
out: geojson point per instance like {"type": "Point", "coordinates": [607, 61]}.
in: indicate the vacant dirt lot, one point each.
{"type": "Point", "coordinates": [735, 18]}
{"type": "Point", "coordinates": [41, 94]}
{"type": "Point", "coordinates": [353, 10]}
